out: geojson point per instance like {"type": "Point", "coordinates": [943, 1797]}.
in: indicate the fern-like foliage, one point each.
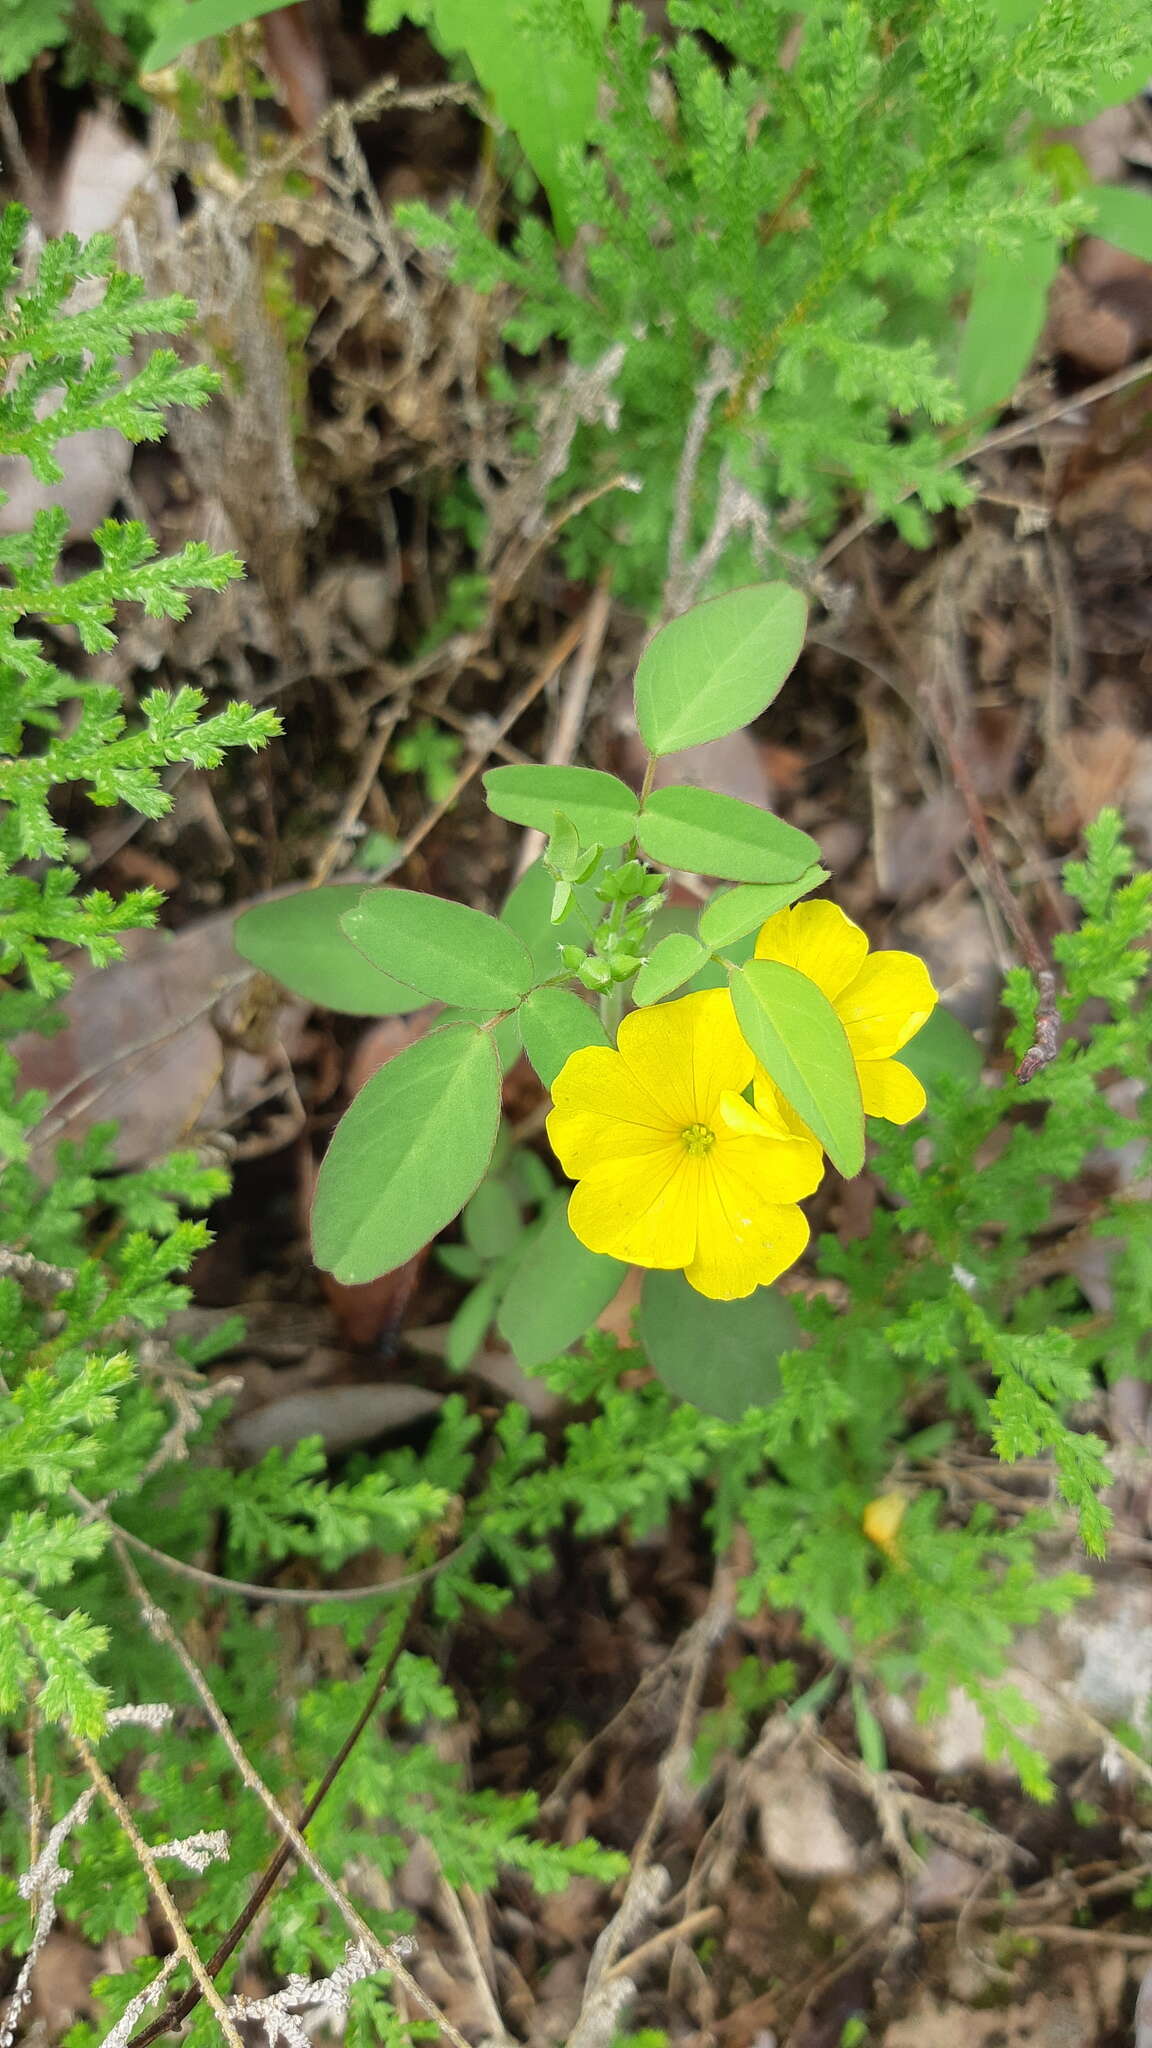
{"type": "Point", "coordinates": [63, 371]}
{"type": "Point", "coordinates": [800, 211]}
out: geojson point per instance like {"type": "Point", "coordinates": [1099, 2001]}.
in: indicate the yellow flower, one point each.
{"type": "Point", "coordinates": [673, 1167]}
{"type": "Point", "coordinates": [881, 999]}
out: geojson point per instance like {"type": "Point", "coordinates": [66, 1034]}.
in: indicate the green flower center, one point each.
{"type": "Point", "coordinates": [697, 1139]}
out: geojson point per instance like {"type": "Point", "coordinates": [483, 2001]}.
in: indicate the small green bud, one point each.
{"type": "Point", "coordinates": [595, 974]}
{"type": "Point", "coordinates": [625, 965]}
{"type": "Point", "coordinates": [572, 958]}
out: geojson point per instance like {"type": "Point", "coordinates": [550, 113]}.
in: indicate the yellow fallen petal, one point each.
{"type": "Point", "coordinates": [642, 1210]}
{"type": "Point", "coordinates": [891, 997]}
{"type": "Point", "coordinates": [817, 939]}
{"type": "Point", "coordinates": [881, 1523]}
{"type": "Point", "coordinates": [740, 1247]}
{"type": "Point", "coordinates": [686, 1053]}
{"type": "Point", "coordinates": [891, 1090]}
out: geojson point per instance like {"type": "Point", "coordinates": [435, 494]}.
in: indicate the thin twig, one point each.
{"type": "Point", "coordinates": [684, 1930]}
{"type": "Point", "coordinates": [454, 1913]}
{"type": "Point", "coordinates": [287, 1596]}
{"type": "Point", "coordinates": [160, 1626]}
{"type": "Point", "coordinates": [553, 660]}
{"type": "Point", "coordinates": [1001, 437]}
{"type": "Point", "coordinates": [712, 1625]}
{"type": "Point", "coordinates": [717, 378]}
{"type": "Point", "coordinates": [159, 1889]}
{"type": "Point", "coordinates": [35, 1277]}
{"type": "Point", "coordinates": [573, 704]}
{"type": "Point", "coordinates": [356, 799]}
{"type": "Point", "coordinates": [943, 731]}
{"type": "Point", "coordinates": [179, 2009]}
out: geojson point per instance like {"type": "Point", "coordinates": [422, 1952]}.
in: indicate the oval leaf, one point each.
{"type": "Point", "coordinates": [556, 1292]}
{"type": "Point", "coordinates": [404, 1160]}
{"type": "Point", "coordinates": [554, 1023]}
{"type": "Point", "coordinates": [299, 940]}
{"type": "Point", "coordinates": [795, 1033]}
{"type": "Point", "coordinates": [943, 1049]}
{"type": "Point", "coordinates": [492, 1222]}
{"type": "Point", "coordinates": [671, 963]}
{"type": "Point", "coordinates": [717, 667]}
{"type": "Point", "coordinates": [192, 24]}
{"type": "Point", "coordinates": [711, 834]}
{"type": "Point", "coordinates": [720, 1355]}
{"type": "Point", "coordinates": [1124, 218]}
{"type": "Point", "coordinates": [602, 808]}
{"type": "Point", "coordinates": [734, 913]}
{"type": "Point", "coordinates": [469, 1325]}
{"type": "Point", "coordinates": [1006, 312]}
{"type": "Point", "coordinates": [445, 950]}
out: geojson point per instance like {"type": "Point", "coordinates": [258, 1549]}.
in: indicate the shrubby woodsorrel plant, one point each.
{"type": "Point", "coordinates": [692, 1126]}
{"type": "Point", "coordinates": [795, 1420]}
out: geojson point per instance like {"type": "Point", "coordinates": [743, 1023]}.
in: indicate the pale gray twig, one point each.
{"type": "Point", "coordinates": [717, 378]}
{"type": "Point", "coordinates": [385, 1956]}
{"type": "Point", "coordinates": [136, 2008]}
{"type": "Point", "coordinates": [326, 1994]}
{"type": "Point", "coordinates": [42, 1883]}
{"type": "Point", "coordinates": [146, 1858]}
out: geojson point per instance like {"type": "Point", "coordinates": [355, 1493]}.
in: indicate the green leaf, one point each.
{"type": "Point", "coordinates": [1124, 218]}
{"type": "Point", "coordinates": [492, 1222]}
{"type": "Point", "coordinates": [447, 951]}
{"type": "Point", "coordinates": [720, 1355]}
{"type": "Point", "coordinates": [1006, 312]}
{"type": "Point", "coordinates": [195, 22]}
{"type": "Point", "coordinates": [409, 1152]}
{"type": "Point", "coordinates": [733, 913]}
{"type": "Point", "coordinates": [709, 834]}
{"type": "Point", "coordinates": [543, 81]}
{"type": "Point", "coordinates": [601, 807]}
{"type": "Point", "coordinates": [557, 1290]}
{"type": "Point", "coordinates": [554, 1023]}
{"type": "Point", "coordinates": [506, 1033]}
{"type": "Point", "coordinates": [300, 941]}
{"type": "Point", "coordinates": [672, 962]}
{"type": "Point", "coordinates": [795, 1033]}
{"type": "Point", "coordinates": [869, 1734]}
{"type": "Point", "coordinates": [943, 1048]}
{"type": "Point", "coordinates": [470, 1324]}
{"type": "Point", "coordinates": [718, 666]}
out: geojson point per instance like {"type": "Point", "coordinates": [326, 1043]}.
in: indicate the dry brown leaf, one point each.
{"type": "Point", "coordinates": [141, 1045]}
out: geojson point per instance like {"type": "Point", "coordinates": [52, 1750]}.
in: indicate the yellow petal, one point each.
{"type": "Point", "coordinates": [777, 1111]}
{"type": "Point", "coordinates": [641, 1210]}
{"type": "Point", "coordinates": [738, 1116]}
{"type": "Point", "coordinates": [890, 998]}
{"type": "Point", "coordinates": [686, 1054]}
{"type": "Point", "coordinates": [758, 1170]}
{"type": "Point", "coordinates": [602, 1112]}
{"type": "Point", "coordinates": [742, 1244]}
{"type": "Point", "coordinates": [818, 939]}
{"type": "Point", "coordinates": [890, 1089]}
